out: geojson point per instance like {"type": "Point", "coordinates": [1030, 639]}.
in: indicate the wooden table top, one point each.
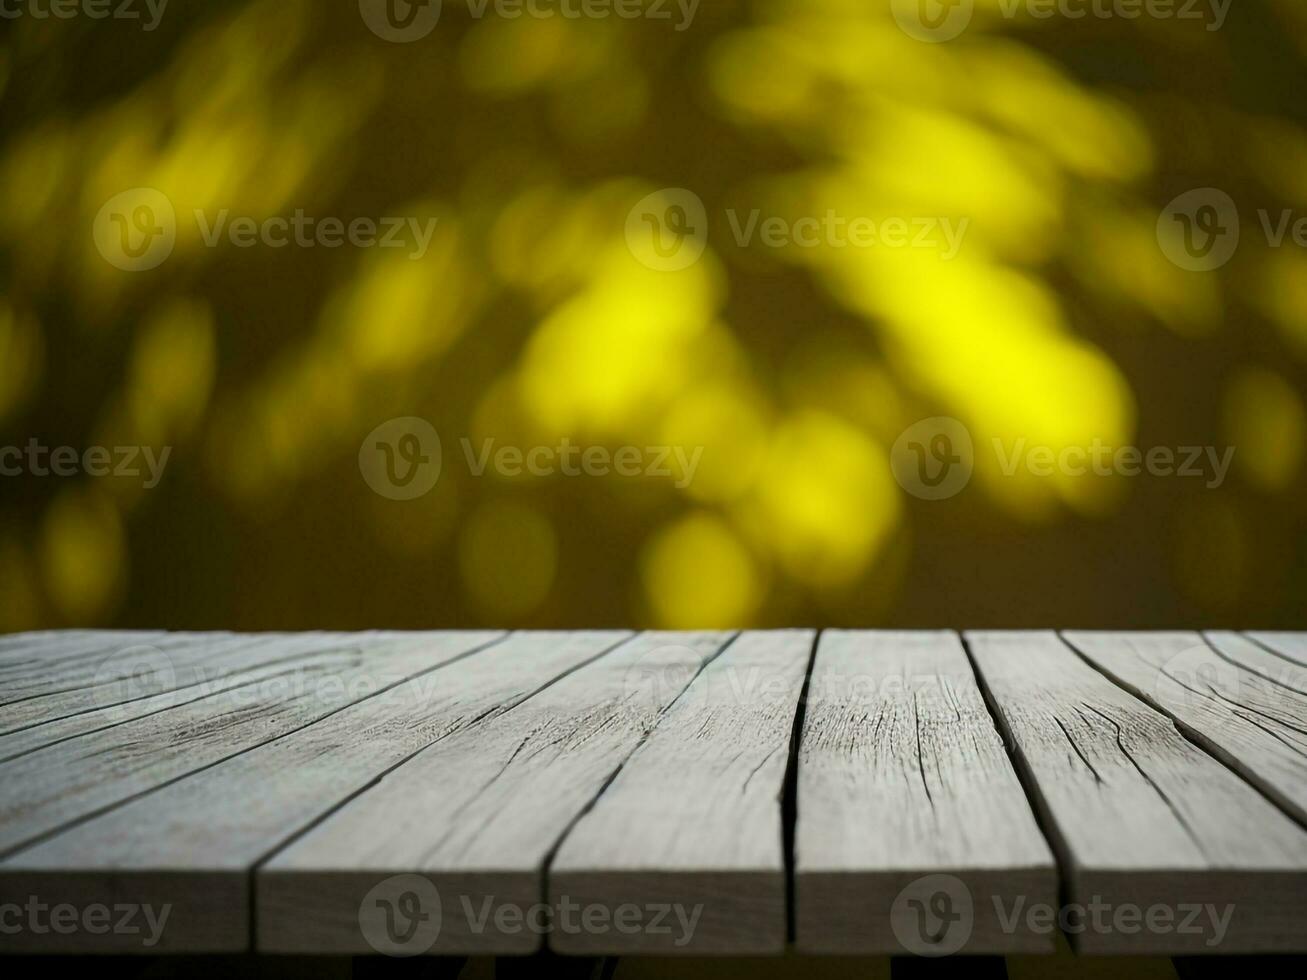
{"type": "Point", "coordinates": [618, 793]}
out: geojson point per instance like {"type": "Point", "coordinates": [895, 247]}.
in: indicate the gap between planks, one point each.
{"type": "Point", "coordinates": [609, 882]}
{"type": "Point", "coordinates": [476, 816]}
{"type": "Point", "coordinates": [1142, 818]}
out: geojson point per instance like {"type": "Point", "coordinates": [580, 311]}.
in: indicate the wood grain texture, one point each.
{"type": "Point", "coordinates": [1148, 827]}
{"type": "Point", "coordinates": [191, 845]}
{"type": "Point", "coordinates": [903, 777]}
{"type": "Point", "coordinates": [75, 779]}
{"type": "Point", "coordinates": [1291, 646]}
{"type": "Point", "coordinates": [1242, 703]}
{"type": "Point", "coordinates": [694, 816]}
{"type": "Point", "coordinates": [33, 666]}
{"type": "Point", "coordinates": [144, 679]}
{"type": "Point", "coordinates": [21, 645]}
{"type": "Point", "coordinates": [65, 680]}
{"type": "Point", "coordinates": [622, 794]}
{"type": "Point", "coordinates": [475, 817]}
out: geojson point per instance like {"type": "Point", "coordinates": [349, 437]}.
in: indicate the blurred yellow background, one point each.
{"type": "Point", "coordinates": [530, 319]}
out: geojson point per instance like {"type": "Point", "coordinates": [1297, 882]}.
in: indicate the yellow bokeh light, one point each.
{"type": "Point", "coordinates": [698, 574]}
{"type": "Point", "coordinates": [825, 501]}
{"type": "Point", "coordinates": [1281, 293]}
{"type": "Point", "coordinates": [1266, 423]}
{"type": "Point", "coordinates": [82, 555]}
{"type": "Point", "coordinates": [729, 424]}
{"type": "Point", "coordinates": [172, 371]}
{"type": "Point", "coordinates": [616, 352]}
{"type": "Point", "coordinates": [535, 316]}
{"type": "Point", "coordinates": [505, 56]}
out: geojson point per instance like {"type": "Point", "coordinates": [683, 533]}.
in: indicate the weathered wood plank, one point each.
{"type": "Point", "coordinates": [190, 845]}
{"type": "Point", "coordinates": [1292, 646]}
{"type": "Point", "coordinates": [16, 643]}
{"type": "Point", "coordinates": [29, 638]}
{"type": "Point", "coordinates": [72, 780]}
{"type": "Point", "coordinates": [34, 668]}
{"type": "Point", "coordinates": [1245, 705]}
{"type": "Point", "coordinates": [909, 810]}
{"type": "Point", "coordinates": [694, 816]}
{"type": "Point", "coordinates": [141, 679]}
{"type": "Point", "coordinates": [453, 843]}
{"type": "Point", "coordinates": [1150, 829]}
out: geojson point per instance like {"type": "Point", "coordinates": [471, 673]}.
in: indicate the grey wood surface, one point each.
{"type": "Point", "coordinates": [693, 819]}
{"type": "Point", "coordinates": [39, 665]}
{"type": "Point", "coordinates": [1242, 703]}
{"type": "Point", "coordinates": [470, 793]}
{"type": "Point", "coordinates": [72, 780]}
{"type": "Point", "coordinates": [1291, 646]}
{"type": "Point", "coordinates": [39, 689]}
{"type": "Point", "coordinates": [20, 646]}
{"type": "Point", "coordinates": [143, 679]}
{"type": "Point", "coordinates": [1149, 828]}
{"type": "Point", "coordinates": [447, 854]}
{"type": "Point", "coordinates": [190, 845]}
{"type": "Point", "coordinates": [908, 805]}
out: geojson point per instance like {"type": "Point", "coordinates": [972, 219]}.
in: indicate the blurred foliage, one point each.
{"type": "Point", "coordinates": [529, 320]}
